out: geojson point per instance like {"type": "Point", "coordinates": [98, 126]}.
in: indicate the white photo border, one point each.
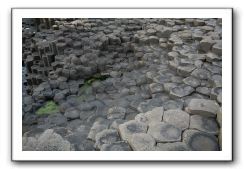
{"type": "Point", "coordinates": [19, 155]}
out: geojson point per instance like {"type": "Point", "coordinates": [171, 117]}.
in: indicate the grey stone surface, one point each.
{"type": "Point", "coordinates": [72, 113]}
{"type": "Point", "coordinates": [149, 104]}
{"type": "Point", "coordinates": [153, 116]}
{"type": "Point", "coordinates": [208, 125]}
{"type": "Point", "coordinates": [118, 146]}
{"type": "Point", "coordinates": [97, 127]}
{"type": "Point", "coordinates": [142, 142]}
{"type": "Point", "coordinates": [200, 141]}
{"type": "Point", "coordinates": [129, 128]}
{"type": "Point", "coordinates": [107, 136]}
{"type": "Point", "coordinates": [116, 113]}
{"type": "Point", "coordinates": [163, 132]}
{"type": "Point", "coordinates": [104, 72]}
{"type": "Point", "coordinates": [178, 118]}
{"type": "Point", "coordinates": [173, 104]}
{"type": "Point", "coordinates": [204, 107]}
{"type": "Point", "coordinates": [191, 81]}
{"type": "Point", "coordinates": [155, 88]}
{"type": "Point", "coordinates": [176, 146]}
{"type": "Point", "coordinates": [181, 91]}
{"type": "Point", "coordinates": [51, 141]}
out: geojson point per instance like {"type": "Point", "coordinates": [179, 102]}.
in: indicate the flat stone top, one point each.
{"type": "Point", "coordinates": [164, 132]}
{"type": "Point", "coordinates": [177, 118]}
{"type": "Point", "coordinates": [203, 107]}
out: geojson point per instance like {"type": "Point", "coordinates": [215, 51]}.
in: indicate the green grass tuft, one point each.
{"type": "Point", "coordinates": [49, 108]}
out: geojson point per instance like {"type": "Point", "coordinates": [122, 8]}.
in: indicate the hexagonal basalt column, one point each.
{"type": "Point", "coordinates": [177, 118]}
{"type": "Point", "coordinates": [153, 116]}
{"type": "Point", "coordinates": [129, 128]}
{"type": "Point", "coordinates": [177, 146]}
{"type": "Point", "coordinates": [208, 125]}
{"type": "Point", "coordinates": [142, 142]}
{"type": "Point", "coordinates": [181, 91]}
{"type": "Point", "coordinates": [204, 107]}
{"type": "Point", "coordinates": [200, 141]}
{"type": "Point", "coordinates": [163, 132]}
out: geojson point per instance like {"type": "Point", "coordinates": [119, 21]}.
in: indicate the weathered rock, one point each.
{"type": "Point", "coordinates": [129, 128]}
{"type": "Point", "coordinates": [203, 90]}
{"type": "Point", "coordinates": [191, 81]}
{"type": "Point", "coordinates": [202, 74]}
{"type": "Point", "coordinates": [204, 107]}
{"type": "Point", "coordinates": [115, 124]}
{"type": "Point", "coordinates": [29, 143]}
{"type": "Point", "coordinates": [185, 69]}
{"type": "Point", "coordinates": [178, 118]}
{"type": "Point", "coordinates": [163, 32]}
{"type": "Point", "coordinates": [181, 91]}
{"type": "Point", "coordinates": [51, 141]}
{"type": "Point", "coordinates": [155, 88]}
{"type": "Point", "coordinates": [118, 146]}
{"type": "Point", "coordinates": [149, 105]}
{"type": "Point", "coordinates": [206, 44]}
{"type": "Point", "coordinates": [116, 113]}
{"type": "Point", "coordinates": [72, 113]}
{"type": "Point", "coordinates": [142, 142]}
{"type": "Point", "coordinates": [176, 146]}
{"type": "Point", "coordinates": [217, 48]}
{"type": "Point", "coordinates": [200, 141]}
{"type": "Point", "coordinates": [153, 116]}
{"type": "Point", "coordinates": [107, 136]}
{"type": "Point", "coordinates": [173, 104]}
{"type": "Point", "coordinates": [205, 124]}
{"type": "Point", "coordinates": [98, 126]}
{"type": "Point", "coordinates": [219, 117]}
{"type": "Point", "coordinates": [163, 132]}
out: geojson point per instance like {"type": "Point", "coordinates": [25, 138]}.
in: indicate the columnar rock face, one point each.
{"type": "Point", "coordinates": [115, 84]}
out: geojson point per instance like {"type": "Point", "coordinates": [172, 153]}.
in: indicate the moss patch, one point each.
{"type": "Point", "coordinates": [49, 108]}
{"type": "Point", "coordinates": [96, 77]}
{"type": "Point", "coordinates": [86, 89]}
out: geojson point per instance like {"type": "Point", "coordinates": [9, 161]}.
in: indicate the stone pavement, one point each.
{"type": "Point", "coordinates": [122, 84]}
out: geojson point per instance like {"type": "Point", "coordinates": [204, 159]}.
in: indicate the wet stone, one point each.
{"type": "Point", "coordinates": [142, 142]}
{"type": "Point", "coordinates": [178, 118]}
{"type": "Point", "coordinates": [200, 141]}
{"type": "Point", "coordinates": [204, 107]}
{"type": "Point", "coordinates": [208, 125]}
{"type": "Point", "coordinates": [129, 128]}
{"type": "Point", "coordinates": [163, 132]}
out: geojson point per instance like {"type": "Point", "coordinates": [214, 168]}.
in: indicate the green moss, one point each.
{"type": "Point", "coordinates": [49, 108]}
{"type": "Point", "coordinates": [86, 89]}
{"type": "Point", "coordinates": [96, 77]}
